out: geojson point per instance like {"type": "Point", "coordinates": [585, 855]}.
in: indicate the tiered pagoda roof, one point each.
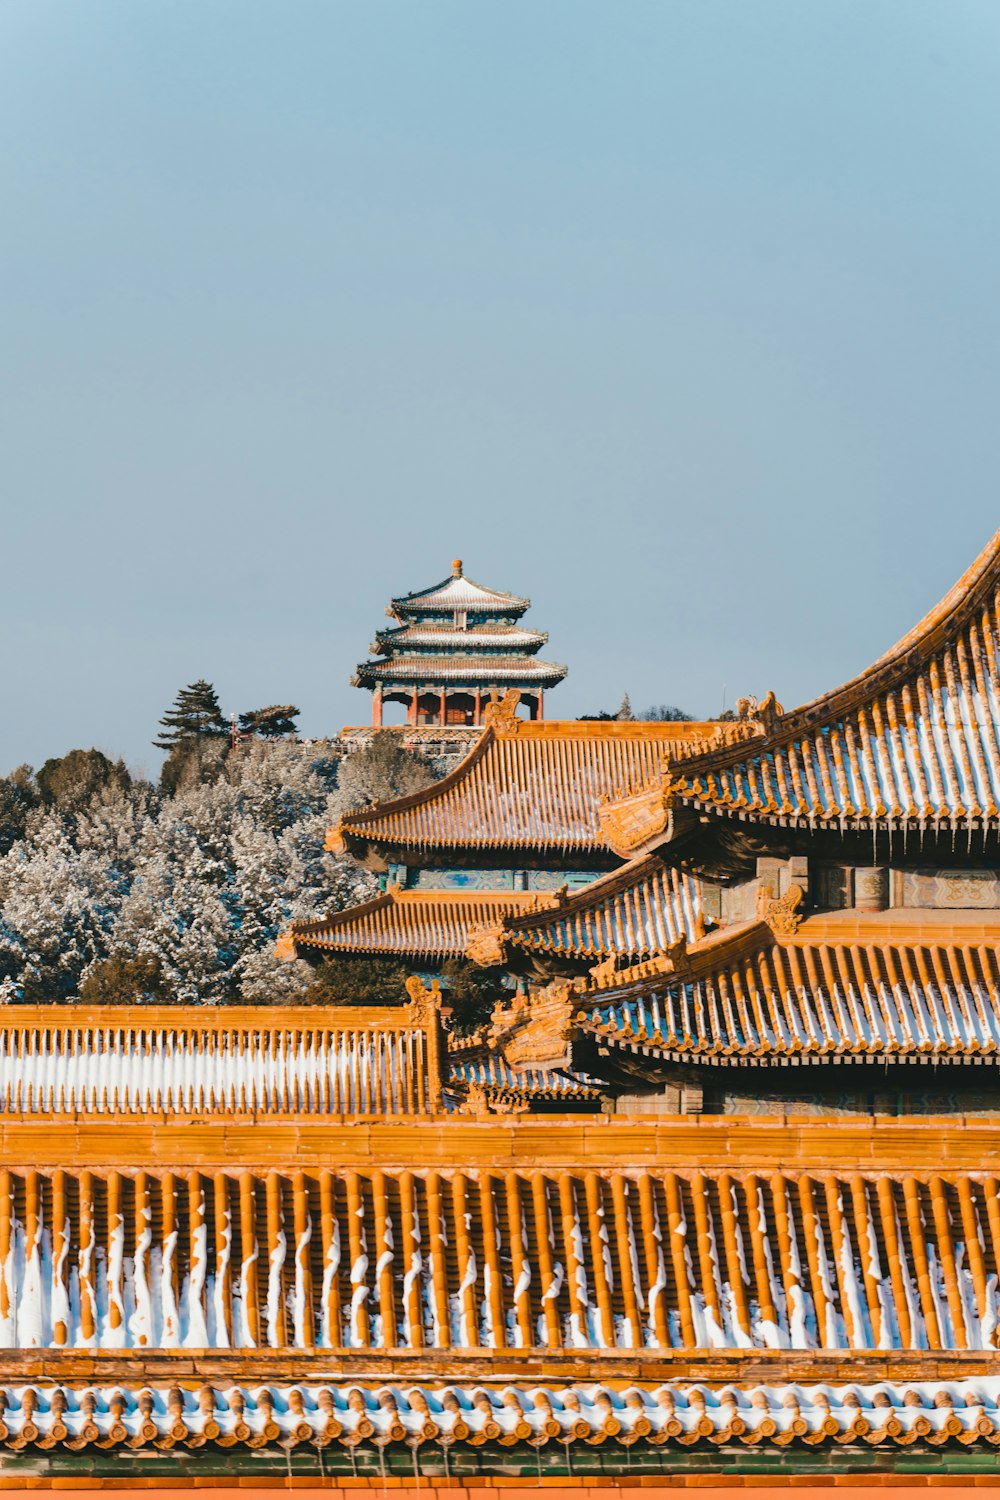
{"type": "Point", "coordinates": [456, 634]}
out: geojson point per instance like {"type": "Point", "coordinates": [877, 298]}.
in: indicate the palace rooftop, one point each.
{"type": "Point", "coordinates": [419, 923]}
{"type": "Point", "coordinates": [523, 786]}
{"type": "Point", "coordinates": [829, 992]}
{"type": "Point", "coordinates": [913, 743]}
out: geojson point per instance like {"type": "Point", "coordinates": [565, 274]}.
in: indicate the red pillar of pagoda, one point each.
{"type": "Point", "coordinates": [444, 707]}
{"type": "Point", "coordinates": [377, 707]}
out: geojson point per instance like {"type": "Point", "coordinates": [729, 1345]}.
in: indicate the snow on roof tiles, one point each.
{"type": "Point", "coordinates": [184, 1062]}
{"type": "Point", "coordinates": [457, 593]}
{"type": "Point", "coordinates": [632, 913]}
{"type": "Point", "coordinates": [818, 996]}
{"type": "Point", "coordinates": [914, 740]}
{"type": "Point", "coordinates": [470, 667]}
{"type": "Point", "coordinates": [370, 1415]}
{"type": "Point", "coordinates": [664, 1260]}
{"type": "Point", "coordinates": [540, 786]}
{"type": "Point", "coordinates": [418, 922]}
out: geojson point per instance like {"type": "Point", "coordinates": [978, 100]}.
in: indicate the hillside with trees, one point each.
{"type": "Point", "coordinates": [115, 889]}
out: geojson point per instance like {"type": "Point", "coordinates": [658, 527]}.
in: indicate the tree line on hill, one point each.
{"type": "Point", "coordinates": [113, 888]}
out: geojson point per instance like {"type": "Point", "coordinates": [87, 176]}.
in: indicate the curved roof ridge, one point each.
{"type": "Point", "coordinates": [909, 653]}
{"type": "Point", "coordinates": [814, 996]}
{"type": "Point", "coordinates": [407, 923]}
{"type": "Point", "coordinates": [343, 916]}
{"type": "Point", "coordinates": [597, 890]}
{"type": "Point", "coordinates": [525, 784]}
{"type": "Point", "coordinates": [412, 799]}
{"type": "Point", "coordinates": [458, 583]}
{"type": "Point", "coordinates": [691, 963]}
{"type": "Point", "coordinates": [915, 647]}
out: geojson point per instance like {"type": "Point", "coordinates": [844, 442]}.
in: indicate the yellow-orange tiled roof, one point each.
{"type": "Point", "coordinates": [913, 740]}
{"type": "Point", "coordinates": [422, 923]}
{"type": "Point", "coordinates": [539, 785]}
{"type": "Point", "coordinates": [635, 911]}
{"type": "Point", "coordinates": [658, 1260]}
{"type": "Point", "coordinates": [837, 989]}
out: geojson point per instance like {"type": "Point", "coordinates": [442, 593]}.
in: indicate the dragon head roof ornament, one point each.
{"type": "Point", "coordinates": [500, 713]}
{"type": "Point", "coordinates": [782, 913]}
{"type": "Point", "coordinates": [424, 1003]}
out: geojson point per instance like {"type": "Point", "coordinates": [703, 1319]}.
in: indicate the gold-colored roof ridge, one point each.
{"type": "Point", "coordinates": [524, 783]}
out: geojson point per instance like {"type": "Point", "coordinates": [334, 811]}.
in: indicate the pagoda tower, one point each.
{"type": "Point", "coordinates": [454, 645]}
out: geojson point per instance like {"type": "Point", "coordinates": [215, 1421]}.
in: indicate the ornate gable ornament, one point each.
{"type": "Point", "coordinates": [335, 843]}
{"type": "Point", "coordinates": [500, 713]}
{"type": "Point", "coordinates": [284, 948]}
{"type": "Point", "coordinates": [424, 1003]}
{"type": "Point", "coordinates": [534, 1029]}
{"type": "Point", "coordinates": [486, 945]}
{"type": "Point", "coordinates": [782, 914]}
{"type": "Point", "coordinates": [629, 824]}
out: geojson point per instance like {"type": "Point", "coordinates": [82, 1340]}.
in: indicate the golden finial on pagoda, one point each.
{"type": "Point", "coordinates": [456, 567]}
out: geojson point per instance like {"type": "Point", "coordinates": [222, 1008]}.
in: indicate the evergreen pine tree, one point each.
{"type": "Point", "coordinates": [270, 723]}
{"type": "Point", "coordinates": [625, 712]}
{"type": "Point", "coordinates": [195, 715]}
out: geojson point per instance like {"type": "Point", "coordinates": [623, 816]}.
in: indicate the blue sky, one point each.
{"type": "Point", "coordinates": [681, 318]}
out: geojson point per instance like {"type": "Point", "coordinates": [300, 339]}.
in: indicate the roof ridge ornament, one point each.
{"type": "Point", "coordinates": [486, 942]}
{"type": "Point", "coordinates": [456, 567]}
{"type": "Point", "coordinates": [424, 1002]}
{"type": "Point", "coordinates": [672, 961]}
{"type": "Point", "coordinates": [782, 914]}
{"type": "Point", "coordinates": [756, 717]}
{"type": "Point", "coordinates": [500, 713]}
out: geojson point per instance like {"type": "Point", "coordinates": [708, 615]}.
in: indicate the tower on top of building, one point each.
{"type": "Point", "coordinates": [454, 644]}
